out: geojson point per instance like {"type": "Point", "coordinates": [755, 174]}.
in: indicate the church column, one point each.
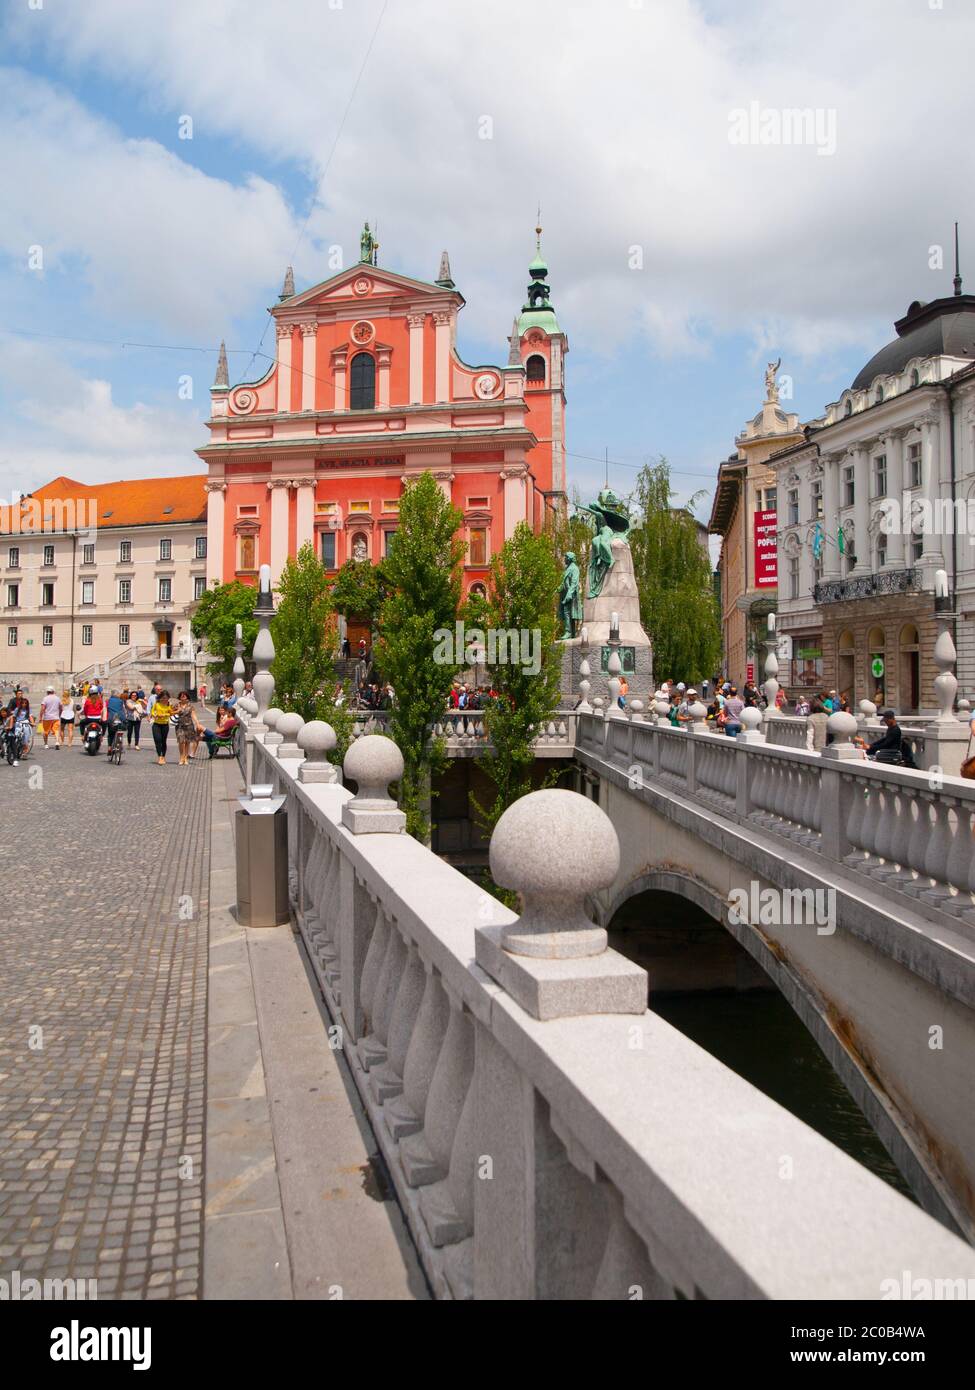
{"type": "Point", "coordinates": [895, 490]}
{"type": "Point", "coordinates": [283, 331]}
{"type": "Point", "coordinates": [831, 516]}
{"type": "Point", "coordinates": [382, 384]}
{"type": "Point", "coordinates": [860, 459]}
{"type": "Point", "coordinates": [309, 354]}
{"type": "Point", "coordinates": [442, 323]}
{"type": "Point", "coordinates": [515, 503]}
{"type": "Point", "coordinates": [304, 512]}
{"type": "Point", "coordinates": [415, 322]}
{"type": "Point", "coordinates": [278, 488]}
{"type": "Point", "coordinates": [215, 523]}
{"type": "Point", "coordinates": [445, 478]}
{"type": "Point", "coordinates": [931, 554]}
{"type": "Point", "coordinates": [340, 358]}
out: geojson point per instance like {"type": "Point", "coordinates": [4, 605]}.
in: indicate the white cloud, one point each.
{"type": "Point", "coordinates": [615, 115]}
{"type": "Point", "coordinates": [59, 421]}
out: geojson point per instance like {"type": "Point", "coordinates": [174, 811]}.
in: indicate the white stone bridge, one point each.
{"type": "Point", "coordinates": [547, 1136]}
{"type": "Point", "coordinates": [887, 988]}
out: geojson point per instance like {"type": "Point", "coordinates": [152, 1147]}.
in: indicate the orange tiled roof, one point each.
{"type": "Point", "coordinates": [141, 502]}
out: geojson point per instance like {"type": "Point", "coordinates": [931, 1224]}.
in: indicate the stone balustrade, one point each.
{"type": "Point", "coordinates": [792, 731]}
{"type": "Point", "coordinates": [465, 735]}
{"type": "Point", "coordinates": [908, 831]}
{"type": "Point", "coordinates": [548, 1137]}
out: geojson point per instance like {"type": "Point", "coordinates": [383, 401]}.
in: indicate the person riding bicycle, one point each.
{"type": "Point", "coordinates": [19, 722]}
{"type": "Point", "coordinates": [115, 720]}
{"type": "Point", "coordinates": [93, 710]}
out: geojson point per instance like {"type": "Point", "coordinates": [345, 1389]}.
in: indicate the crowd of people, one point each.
{"type": "Point", "coordinates": [120, 714]}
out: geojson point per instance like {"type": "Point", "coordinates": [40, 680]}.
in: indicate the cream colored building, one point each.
{"type": "Point", "coordinates": [744, 516]}
{"type": "Point", "coordinates": [101, 578]}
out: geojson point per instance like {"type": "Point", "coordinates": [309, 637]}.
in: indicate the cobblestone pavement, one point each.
{"type": "Point", "coordinates": [103, 981]}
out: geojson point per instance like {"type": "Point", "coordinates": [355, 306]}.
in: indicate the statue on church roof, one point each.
{"type": "Point", "coordinates": [368, 246]}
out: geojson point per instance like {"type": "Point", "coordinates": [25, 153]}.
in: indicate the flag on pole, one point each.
{"type": "Point", "coordinates": [817, 545]}
{"type": "Point", "coordinates": [841, 541]}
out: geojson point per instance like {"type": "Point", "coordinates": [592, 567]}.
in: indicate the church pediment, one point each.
{"type": "Point", "coordinates": [364, 284]}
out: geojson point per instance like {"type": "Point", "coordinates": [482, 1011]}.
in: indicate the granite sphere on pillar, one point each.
{"type": "Point", "coordinates": [373, 762]}
{"type": "Point", "coordinates": [554, 847]}
{"type": "Point", "coordinates": [289, 726]}
{"type": "Point", "coordinates": [316, 740]}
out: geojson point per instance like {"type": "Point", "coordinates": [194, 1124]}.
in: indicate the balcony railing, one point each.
{"type": "Point", "coordinates": [866, 586]}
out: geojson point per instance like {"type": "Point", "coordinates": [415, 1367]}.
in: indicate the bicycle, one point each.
{"type": "Point", "coordinates": [117, 744]}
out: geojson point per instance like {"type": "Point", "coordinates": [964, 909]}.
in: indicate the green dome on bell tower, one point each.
{"type": "Point", "coordinates": [538, 311]}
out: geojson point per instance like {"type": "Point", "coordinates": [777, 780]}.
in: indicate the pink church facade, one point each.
{"type": "Point", "coordinates": [368, 390]}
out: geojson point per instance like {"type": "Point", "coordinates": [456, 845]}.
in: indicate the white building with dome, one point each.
{"type": "Point", "coordinates": [878, 497]}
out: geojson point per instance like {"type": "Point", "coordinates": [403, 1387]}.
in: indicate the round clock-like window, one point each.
{"type": "Point", "coordinates": [485, 385]}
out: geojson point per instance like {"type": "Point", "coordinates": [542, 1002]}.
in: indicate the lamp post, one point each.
{"type": "Point", "coordinates": [771, 686]}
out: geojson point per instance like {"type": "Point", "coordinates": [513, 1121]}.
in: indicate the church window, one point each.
{"type": "Point", "coordinates": [362, 382]}
{"type": "Point", "coordinates": [535, 368]}
{"type": "Point", "coordinates": [477, 553]}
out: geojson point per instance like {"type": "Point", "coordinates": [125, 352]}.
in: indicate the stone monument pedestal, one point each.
{"type": "Point", "coordinates": [619, 595]}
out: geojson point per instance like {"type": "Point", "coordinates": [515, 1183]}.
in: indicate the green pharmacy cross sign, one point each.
{"type": "Point", "coordinates": [877, 667]}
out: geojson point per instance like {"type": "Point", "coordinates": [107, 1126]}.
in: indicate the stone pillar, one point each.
{"type": "Point", "coordinates": [515, 504]}
{"type": "Point", "coordinates": [278, 488]}
{"type": "Point", "coordinates": [263, 653]}
{"type": "Point", "coordinates": [931, 555]}
{"type": "Point", "coordinates": [861, 507]}
{"type": "Point", "coordinates": [309, 356]}
{"type": "Point", "coordinates": [415, 322]}
{"type": "Point", "coordinates": [216, 493]}
{"type": "Point", "coordinates": [283, 331]}
{"type": "Point", "coordinates": [441, 320]}
{"type": "Point", "coordinates": [831, 514]}
{"type": "Point", "coordinates": [895, 490]}
{"type": "Point", "coordinates": [305, 512]}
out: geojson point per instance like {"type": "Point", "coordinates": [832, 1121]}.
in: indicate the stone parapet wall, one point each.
{"type": "Point", "coordinates": [560, 1157]}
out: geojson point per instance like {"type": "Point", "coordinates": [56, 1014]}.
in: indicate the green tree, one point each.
{"type": "Point", "coordinates": [359, 589]}
{"type": "Point", "coordinates": [423, 577]}
{"type": "Point", "coordinates": [570, 530]}
{"type": "Point", "coordinates": [218, 612]}
{"type": "Point", "coordinates": [303, 630]}
{"type": "Point", "coordinates": [525, 577]}
{"type": "Point", "coordinates": [673, 574]}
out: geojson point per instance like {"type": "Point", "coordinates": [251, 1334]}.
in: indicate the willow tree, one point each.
{"type": "Point", "coordinates": [422, 577]}
{"type": "Point", "coordinates": [525, 575]}
{"type": "Point", "coordinates": [678, 608]}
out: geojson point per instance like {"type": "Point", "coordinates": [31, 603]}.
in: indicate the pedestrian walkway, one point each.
{"type": "Point", "coordinates": [121, 1116]}
{"type": "Point", "coordinates": [103, 958]}
{"type": "Point", "coordinates": [298, 1203]}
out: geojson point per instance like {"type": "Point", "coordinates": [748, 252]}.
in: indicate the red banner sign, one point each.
{"type": "Point", "coordinates": [766, 562]}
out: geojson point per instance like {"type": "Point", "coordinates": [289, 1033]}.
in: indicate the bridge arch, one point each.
{"type": "Point", "coordinates": [818, 1018]}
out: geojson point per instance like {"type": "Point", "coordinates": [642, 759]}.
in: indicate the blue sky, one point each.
{"type": "Point", "coordinates": [680, 261]}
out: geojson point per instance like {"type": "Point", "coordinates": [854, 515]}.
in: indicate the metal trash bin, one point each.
{"type": "Point", "coordinates": [262, 859]}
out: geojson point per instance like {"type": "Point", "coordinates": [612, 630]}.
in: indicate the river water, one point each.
{"type": "Point", "coordinates": [758, 1036]}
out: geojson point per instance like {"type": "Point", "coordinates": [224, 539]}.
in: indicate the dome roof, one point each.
{"type": "Point", "coordinates": [943, 327]}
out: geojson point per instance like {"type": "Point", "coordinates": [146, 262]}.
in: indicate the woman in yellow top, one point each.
{"type": "Point", "coordinates": [161, 713]}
